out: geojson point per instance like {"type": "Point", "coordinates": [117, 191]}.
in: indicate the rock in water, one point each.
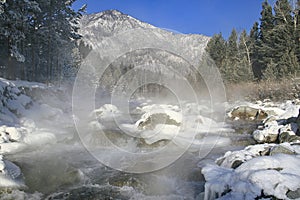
{"type": "Point", "coordinates": [105, 112]}
{"type": "Point", "coordinates": [269, 134]}
{"type": "Point", "coordinates": [247, 113]}
{"type": "Point", "coordinates": [151, 119]}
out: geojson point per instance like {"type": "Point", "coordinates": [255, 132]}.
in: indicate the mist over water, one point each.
{"type": "Point", "coordinates": [141, 120]}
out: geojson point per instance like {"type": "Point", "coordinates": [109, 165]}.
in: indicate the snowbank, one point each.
{"type": "Point", "coordinates": [257, 171]}
{"type": "Point", "coordinates": [266, 170]}
{"type": "Point", "coordinates": [18, 130]}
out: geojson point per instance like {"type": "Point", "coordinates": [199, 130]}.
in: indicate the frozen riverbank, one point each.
{"type": "Point", "coordinates": [43, 157]}
{"type": "Point", "coordinates": [262, 171]}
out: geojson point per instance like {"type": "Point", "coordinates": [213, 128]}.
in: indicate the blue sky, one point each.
{"type": "Point", "coordinates": [186, 16]}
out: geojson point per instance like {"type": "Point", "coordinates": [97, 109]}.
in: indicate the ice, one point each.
{"type": "Point", "coordinates": [9, 174]}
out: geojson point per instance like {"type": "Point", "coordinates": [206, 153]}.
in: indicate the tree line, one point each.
{"type": "Point", "coordinates": [271, 50]}
{"type": "Point", "coordinates": [38, 39]}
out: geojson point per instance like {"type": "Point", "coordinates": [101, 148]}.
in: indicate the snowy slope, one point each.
{"type": "Point", "coordinates": [95, 27]}
{"type": "Point", "coordinates": [114, 33]}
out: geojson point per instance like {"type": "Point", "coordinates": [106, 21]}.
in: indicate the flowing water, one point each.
{"type": "Point", "coordinates": [67, 170]}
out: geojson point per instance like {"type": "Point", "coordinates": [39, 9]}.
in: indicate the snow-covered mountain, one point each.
{"type": "Point", "coordinates": [107, 23]}
{"type": "Point", "coordinates": [123, 42]}
{"type": "Point", "coordinates": [95, 28]}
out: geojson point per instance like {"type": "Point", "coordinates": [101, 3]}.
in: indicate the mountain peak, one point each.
{"type": "Point", "coordinates": [96, 27]}
{"type": "Point", "coordinates": [112, 12]}
{"type": "Point", "coordinates": [110, 22]}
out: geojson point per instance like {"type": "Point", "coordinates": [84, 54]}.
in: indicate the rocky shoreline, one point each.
{"type": "Point", "coordinates": [266, 170]}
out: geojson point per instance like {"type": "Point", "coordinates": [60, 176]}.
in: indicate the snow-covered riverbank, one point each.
{"type": "Point", "coordinates": [266, 170]}
{"type": "Point", "coordinates": [43, 157]}
{"type": "Point", "coordinates": [25, 122]}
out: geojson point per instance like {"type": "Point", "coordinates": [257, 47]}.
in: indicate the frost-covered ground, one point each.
{"type": "Point", "coordinates": [42, 156]}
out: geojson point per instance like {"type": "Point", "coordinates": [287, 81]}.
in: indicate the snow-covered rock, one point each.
{"type": "Point", "coordinates": [106, 112]}
{"type": "Point", "coordinates": [247, 113]}
{"type": "Point", "coordinates": [13, 101]}
{"type": "Point", "coordinates": [159, 123]}
{"type": "Point", "coordinates": [279, 129]}
{"type": "Point", "coordinates": [258, 111]}
{"type": "Point", "coordinates": [159, 116]}
{"type": "Point", "coordinates": [251, 174]}
{"type": "Point", "coordinates": [10, 174]}
{"type": "Point", "coordinates": [236, 158]}
{"type": "Point", "coordinates": [269, 133]}
{"type": "Point", "coordinates": [39, 138]}
{"type": "Point", "coordinates": [160, 132]}
{"type": "Point", "coordinates": [145, 108]}
{"type": "Point", "coordinates": [10, 134]}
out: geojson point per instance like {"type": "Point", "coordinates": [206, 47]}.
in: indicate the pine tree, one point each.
{"type": "Point", "coordinates": [271, 73]}
{"type": "Point", "coordinates": [254, 51]}
{"type": "Point", "coordinates": [245, 72]}
{"type": "Point", "coordinates": [11, 35]}
{"type": "Point", "coordinates": [38, 38]}
{"type": "Point", "coordinates": [216, 48]}
{"type": "Point", "coordinates": [267, 21]}
{"type": "Point", "coordinates": [232, 48]}
{"type": "Point", "coordinates": [264, 42]}
{"type": "Point", "coordinates": [296, 24]}
{"type": "Point", "coordinates": [283, 39]}
{"type": "Point", "coordinates": [230, 70]}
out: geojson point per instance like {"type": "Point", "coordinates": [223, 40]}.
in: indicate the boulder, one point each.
{"type": "Point", "coordinates": [247, 113]}
{"type": "Point", "coordinates": [288, 136]}
{"type": "Point", "coordinates": [269, 134]}
{"type": "Point", "coordinates": [246, 174]}
{"type": "Point", "coordinates": [236, 158]}
{"type": "Point", "coordinates": [106, 112]}
{"type": "Point", "coordinates": [293, 194]}
{"type": "Point", "coordinates": [151, 119]}
{"type": "Point", "coordinates": [280, 149]}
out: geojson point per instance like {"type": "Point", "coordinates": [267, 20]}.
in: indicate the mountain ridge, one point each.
{"type": "Point", "coordinates": [111, 22]}
{"type": "Point", "coordinates": [121, 43]}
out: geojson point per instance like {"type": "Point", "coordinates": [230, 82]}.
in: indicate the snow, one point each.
{"type": "Point", "coordinates": [161, 132]}
{"type": "Point", "coordinates": [274, 175]}
{"type": "Point", "coordinates": [270, 128]}
{"type": "Point", "coordinates": [171, 114]}
{"type": "Point", "coordinates": [106, 112]}
{"type": "Point", "coordinates": [262, 169]}
{"type": "Point", "coordinates": [188, 130]}
{"type": "Point", "coordinates": [18, 130]}
{"type": "Point", "coordinates": [236, 175]}
{"type": "Point", "coordinates": [9, 173]}
{"type": "Point", "coordinates": [39, 139]}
